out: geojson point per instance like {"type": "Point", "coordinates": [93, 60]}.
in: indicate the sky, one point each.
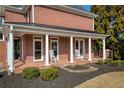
{"type": "Point", "coordinates": [87, 7]}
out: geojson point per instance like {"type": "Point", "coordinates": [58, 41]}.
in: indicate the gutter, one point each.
{"type": "Point", "coordinates": [23, 10]}
{"type": "Point", "coordinates": [73, 10]}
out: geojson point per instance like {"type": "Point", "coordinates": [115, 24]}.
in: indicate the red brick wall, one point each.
{"type": "Point", "coordinates": [14, 17]}
{"type": "Point", "coordinates": [2, 51]}
{"type": "Point", "coordinates": [28, 48]}
{"type": "Point", "coordinates": [64, 48]}
{"type": "Point", "coordinates": [46, 15]}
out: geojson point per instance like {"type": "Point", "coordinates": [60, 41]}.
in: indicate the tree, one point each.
{"type": "Point", "coordinates": [109, 21]}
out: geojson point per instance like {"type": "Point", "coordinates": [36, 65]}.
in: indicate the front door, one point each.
{"type": "Point", "coordinates": [79, 45]}
{"type": "Point", "coordinates": [38, 48]}
{"type": "Point", "coordinates": [54, 46]}
{"type": "Point", "coordinates": [16, 48]}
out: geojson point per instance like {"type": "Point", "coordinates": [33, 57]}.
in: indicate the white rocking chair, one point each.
{"type": "Point", "coordinates": [53, 59]}
{"type": "Point", "coordinates": [77, 53]}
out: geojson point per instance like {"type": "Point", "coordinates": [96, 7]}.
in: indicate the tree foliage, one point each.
{"type": "Point", "coordinates": [110, 21]}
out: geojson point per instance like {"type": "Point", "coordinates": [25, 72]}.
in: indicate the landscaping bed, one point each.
{"type": "Point", "coordinates": [65, 79]}
{"type": "Point", "coordinates": [77, 67]}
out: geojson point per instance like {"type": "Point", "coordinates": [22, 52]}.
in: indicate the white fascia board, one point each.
{"type": "Point", "coordinates": [73, 10]}
{"type": "Point", "coordinates": [49, 30]}
{"type": "Point", "coordinates": [22, 10]}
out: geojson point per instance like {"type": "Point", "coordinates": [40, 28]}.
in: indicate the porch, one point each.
{"type": "Point", "coordinates": [36, 41]}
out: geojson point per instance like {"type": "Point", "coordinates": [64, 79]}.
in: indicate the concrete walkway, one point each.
{"type": "Point", "coordinates": [108, 80]}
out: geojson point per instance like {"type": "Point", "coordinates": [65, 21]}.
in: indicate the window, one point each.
{"type": "Point", "coordinates": [38, 48]}
{"type": "Point", "coordinates": [1, 36]}
{"type": "Point", "coordinates": [55, 46]}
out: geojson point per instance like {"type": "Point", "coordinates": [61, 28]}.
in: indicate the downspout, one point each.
{"type": "Point", "coordinates": [32, 13]}
{"type": "Point", "coordinates": [93, 24]}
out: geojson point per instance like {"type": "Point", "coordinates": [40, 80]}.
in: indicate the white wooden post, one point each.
{"type": "Point", "coordinates": [10, 51]}
{"type": "Point", "coordinates": [22, 39]}
{"type": "Point", "coordinates": [71, 50]}
{"type": "Point", "coordinates": [47, 49]}
{"type": "Point", "coordinates": [104, 52]}
{"type": "Point", "coordinates": [89, 50]}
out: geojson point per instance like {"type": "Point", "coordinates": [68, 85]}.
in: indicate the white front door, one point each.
{"type": "Point", "coordinates": [80, 45]}
{"type": "Point", "coordinates": [38, 48]}
{"type": "Point", "coordinates": [55, 46]}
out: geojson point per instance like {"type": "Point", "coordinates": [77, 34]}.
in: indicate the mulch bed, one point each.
{"type": "Point", "coordinates": [65, 79]}
{"type": "Point", "coordinates": [77, 67]}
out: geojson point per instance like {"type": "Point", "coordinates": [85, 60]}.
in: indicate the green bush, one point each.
{"type": "Point", "coordinates": [30, 72]}
{"type": "Point", "coordinates": [49, 74]}
{"type": "Point", "coordinates": [107, 61]}
{"type": "Point", "coordinates": [115, 63]}
{"type": "Point", "coordinates": [100, 62]}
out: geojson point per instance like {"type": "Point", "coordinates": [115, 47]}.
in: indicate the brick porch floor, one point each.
{"type": "Point", "coordinates": [19, 65]}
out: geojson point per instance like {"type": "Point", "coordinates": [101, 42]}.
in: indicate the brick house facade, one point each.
{"type": "Point", "coordinates": [31, 32]}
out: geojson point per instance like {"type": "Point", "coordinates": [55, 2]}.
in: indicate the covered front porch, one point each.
{"type": "Point", "coordinates": [36, 41]}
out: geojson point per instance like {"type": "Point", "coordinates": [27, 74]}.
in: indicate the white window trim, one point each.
{"type": "Point", "coordinates": [3, 37]}
{"type": "Point", "coordinates": [57, 46]}
{"type": "Point", "coordinates": [81, 57]}
{"type": "Point", "coordinates": [35, 60]}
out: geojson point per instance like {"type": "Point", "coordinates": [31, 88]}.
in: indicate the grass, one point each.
{"type": "Point", "coordinates": [108, 80]}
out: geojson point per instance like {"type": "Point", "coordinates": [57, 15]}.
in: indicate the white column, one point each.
{"type": "Point", "coordinates": [71, 50]}
{"type": "Point", "coordinates": [33, 13]}
{"type": "Point", "coordinates": [89, 50]}
{"type": "Point", "coordinates": [47, 49]}
{"type": "Point", "coordinates": [104, 52]}
{"type": "Point", "coordinates": [22, 39]}
{"type": "Point", "coordinates": [10, 50]}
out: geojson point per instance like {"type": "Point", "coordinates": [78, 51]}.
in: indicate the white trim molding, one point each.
{"type": "Point", "coordinates": [51, 31]}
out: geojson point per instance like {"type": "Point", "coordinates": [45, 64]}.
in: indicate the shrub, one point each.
{"type": "Point", "coordinates": [100, 62]}
{"type": "Point", "coordinates": [49, 74]}
{"type": "Point", "coordinates": [30, 72]}
{"type": "Point", "coordinates": [115, 63]}
{"type": "Point", "coordinates": [108, 61]}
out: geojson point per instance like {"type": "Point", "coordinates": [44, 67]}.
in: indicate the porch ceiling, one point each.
{"type": "Point", "coordinates": [53, 30]}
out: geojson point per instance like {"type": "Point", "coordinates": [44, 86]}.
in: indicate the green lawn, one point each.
{"type": "Point", "coordinates": [108, 80]}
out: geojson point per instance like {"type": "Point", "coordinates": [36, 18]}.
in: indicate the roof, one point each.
{"type": "Point", "coordinates": [52, 27]}
{"type": "Point", "coordinates": [66, 8]}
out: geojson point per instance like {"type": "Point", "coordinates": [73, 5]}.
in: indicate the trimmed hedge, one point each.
{"type": "Point", "coordinates": [30, 72]}
{"type": "Point", "coordinates": [49, 73]}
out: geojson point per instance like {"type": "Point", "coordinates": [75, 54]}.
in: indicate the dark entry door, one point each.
{"type": "Point", "coordinates": [16, 48]}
